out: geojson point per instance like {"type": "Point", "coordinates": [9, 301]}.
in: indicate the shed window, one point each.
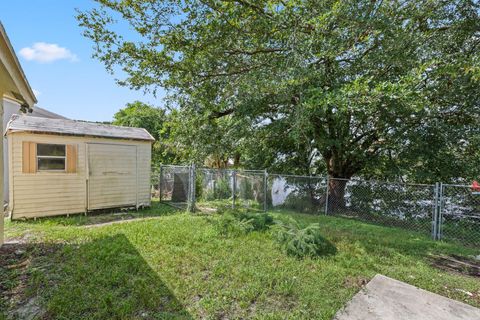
{"type": "Point", "coordinates": [51, 157]}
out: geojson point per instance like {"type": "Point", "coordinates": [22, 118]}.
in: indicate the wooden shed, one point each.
{"type": "Point", "coordinates": [60, 166]}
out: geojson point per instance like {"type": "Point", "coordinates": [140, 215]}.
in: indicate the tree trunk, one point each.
{"type": "Point", "coordinates": [340, 170]}
{"type": "Point", "coordinates": [336, 194]}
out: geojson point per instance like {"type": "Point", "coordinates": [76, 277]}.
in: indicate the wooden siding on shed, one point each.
{"type": "Point", "coordinates": [57, 193]}
{"type": "Point", "coordinates": [112, 175]}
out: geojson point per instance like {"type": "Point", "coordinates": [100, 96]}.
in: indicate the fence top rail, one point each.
{"type": "Point", "coordinates": [384, 182]}
{"type": "Point", "coordinates": [231, 170]}
{"type": "Point", "coordinates": [456, 185]}
{"type": "Point", "coordinates": [214, 169]}
{"type": "Point", "coordinates": [262, 172]}
{"type": "Point", "coordinates": [296, 176]}
{"type": "Point", "coordinates": [175, 166]}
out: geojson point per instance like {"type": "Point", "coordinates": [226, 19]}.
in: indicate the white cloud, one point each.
{"type": "Point", "coordinates": [47, 52]}
{"type": "Point", "coordinates": [36, 92]}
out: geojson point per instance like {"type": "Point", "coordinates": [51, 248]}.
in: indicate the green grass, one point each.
{"type": "Point", "coordinates": [177, 266]}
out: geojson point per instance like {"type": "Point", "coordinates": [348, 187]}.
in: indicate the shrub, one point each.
{"type": "Point", "coordinates": [229, 225]}
{"type": "Point", "coordinates": [220, 190]}
{"type": "Point", "coordinates": [238, 222]}
{"type": "Point", "coordinates": [260, 221]}
{"type": "Point", "coordinates": [246, 189]}
{"type": "Point", "coordinates": [303, 242]}
{"type": "Point", "coordinates": [199, 186]}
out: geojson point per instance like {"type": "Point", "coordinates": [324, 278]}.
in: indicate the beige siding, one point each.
{"type": "Point", "coordinates": [143, 173]}
{"type": "Point", "coordinates": [52, 193]}
{"type": "Point", "coordinates": [112, 175]}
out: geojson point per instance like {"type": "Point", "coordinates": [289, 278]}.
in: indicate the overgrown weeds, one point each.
{"type": "Point", "coordinates": [237, 222]}
{"type": "Point", "coordinates": [293, 239]}
{"type": "Point", "coordinates": [302, 242]}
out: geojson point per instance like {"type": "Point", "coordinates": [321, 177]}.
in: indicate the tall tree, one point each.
{"type": "Point", "coordinates": [156, 122]}
{"type": "Point", "coordinates": [351, 79]}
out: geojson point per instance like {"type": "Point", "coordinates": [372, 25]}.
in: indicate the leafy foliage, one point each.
{"type": "Point", "coordinates": [220, 190]}
{"type": "Point", "coordinates": [260, 221]}
{"type": "Point", "coordinates": [303, 242]}
{"type": "Point", "coordinates": [344, 83]}
{"type": "Point", "coordinates": [229, 225]}
{"type": "Point", "coordinates": [238, 222]}
{"type": "Point", "coordinates": [155, 121]}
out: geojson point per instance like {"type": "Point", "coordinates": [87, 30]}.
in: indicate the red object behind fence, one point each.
{"type": "Point", "coordinates": [475, 186]}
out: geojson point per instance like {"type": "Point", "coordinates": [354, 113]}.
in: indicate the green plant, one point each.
{"type": "Point", "coordinates": [246, 189]}
{"type": "Point", "coordinates": [229, 225]}
{"type": "Point", "coordinates": [220, 189]}
{"type": "Point", "coordinates": [303, 242]}
{"type": "Point", "coordinates": [237, 222]}
{"type": "Point", "coordinates": [260, 221]}
{"type": "Point", "coordinates": [299, 202]}
{"type": "Point", "coordinates": [199, 186]}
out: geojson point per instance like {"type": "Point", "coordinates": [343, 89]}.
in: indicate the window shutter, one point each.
{"type": "Point", "coordinates": [72, 158]}
{"type": "Point", "coordinates": [29, 164]}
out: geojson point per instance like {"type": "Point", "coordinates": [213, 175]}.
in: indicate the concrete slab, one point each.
{"type": "Point", "coordinates": [389, 299]}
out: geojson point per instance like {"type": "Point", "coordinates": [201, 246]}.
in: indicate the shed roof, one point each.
{"type": "Point", "coordinates": [74, 128]}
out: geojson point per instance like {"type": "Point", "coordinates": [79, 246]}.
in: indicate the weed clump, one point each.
{"type": "Point", "coordinates": [228, 225]}
{"type": "Point", "coordinates": [237, 222]}
{"type": "Point", "coordinates": [303, 242]}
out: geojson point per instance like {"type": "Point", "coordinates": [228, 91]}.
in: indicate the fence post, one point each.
{"type": "Point", "coordinates": [234, 187]}
{"type": "Point", "coordinates": [435, 212]}
{"type": "Point", "coordinates": [191, 195]}
{"type": "Point", "coordinates": [265, 190]}
{"type": "Point", "coordinates": [160, 185]}
{"type": "Point", "coordinates": [326, 195]}
{"type": "Point", "coordinates": [440, 212]}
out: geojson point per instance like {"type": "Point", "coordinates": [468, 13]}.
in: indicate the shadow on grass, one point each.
{"type": "Point", "coordinates": [103, 279]}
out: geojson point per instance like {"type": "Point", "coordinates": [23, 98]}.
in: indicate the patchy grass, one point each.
{"type": "Point", "coordinates": [166, 266]}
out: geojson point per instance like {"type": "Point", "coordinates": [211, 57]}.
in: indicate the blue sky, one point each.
{"type": "Point", "coordinates": [57, 60]}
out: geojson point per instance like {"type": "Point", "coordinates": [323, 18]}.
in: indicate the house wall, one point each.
{"type": "Point", "coordinates": [9, 108]}
{"type": "Point", "coordinates": [2, 172]}
{"type": "Point", "coordinates": [57, 193]}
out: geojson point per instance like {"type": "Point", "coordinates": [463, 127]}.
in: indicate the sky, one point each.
{"type": "Point", "coordinates": [58, 62]}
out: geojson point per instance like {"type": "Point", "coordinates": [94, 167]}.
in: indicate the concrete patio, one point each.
{"type": "Point", "coordinates": [384, 298]}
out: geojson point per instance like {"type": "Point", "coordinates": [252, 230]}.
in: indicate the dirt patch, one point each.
{"type": "Point", "coordinates": [457, 264]}
{"type": "Point", "coordinates": [355, 282]}
{"type": "Point", "coordinates": [29, 310]}
{"type": "Point", "coordinates": [17, 261]}
{"type": "Point", "coordinates": [124, 219]}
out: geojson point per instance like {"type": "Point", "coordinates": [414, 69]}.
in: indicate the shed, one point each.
{"type": "Point", "coordinates": [61, 166]}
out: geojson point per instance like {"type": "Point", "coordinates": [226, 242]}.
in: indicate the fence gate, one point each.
{"type": "Point", "coordinates": [112, 175]}
{"type": "Point", "coordinates": [459, 214]}
{"type": "Point", "coordinates": [177, 186]}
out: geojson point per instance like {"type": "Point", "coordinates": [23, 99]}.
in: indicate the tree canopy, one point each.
{"type": "Point", "coordinates": [350, 87]}
{"type": "Point", "coordinates": [156, 122]}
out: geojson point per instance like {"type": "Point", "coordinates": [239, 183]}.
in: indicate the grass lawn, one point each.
{"type": "Point", "coordinates": [171, 265]}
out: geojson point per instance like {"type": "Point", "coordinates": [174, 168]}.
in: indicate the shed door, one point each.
{"type": "Point", "coordinates": [112, 175]}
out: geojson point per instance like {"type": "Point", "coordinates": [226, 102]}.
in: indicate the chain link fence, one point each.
{"type": "Point", "coordinates": [214, 188]}
{"type": "Point", "coordinates": [459, 214]}
{"type": "Point", "coordinates": [443, 211]}
{"type": "Point", "coordinates": [250, 189]}
{"type": "Point", "coordinates": [297, 193]}
{"type": "Point", "coordinates": [175, 186]}
{"type": "Point", "coordinates": [409, 206]}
